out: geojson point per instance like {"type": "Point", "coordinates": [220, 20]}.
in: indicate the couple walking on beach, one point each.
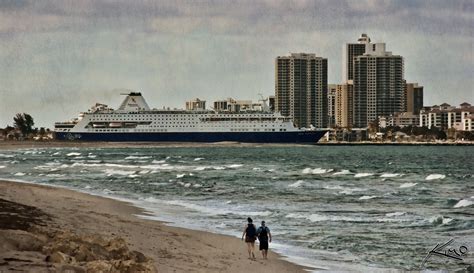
{"type": "Point", "coordinates": [251, 233]}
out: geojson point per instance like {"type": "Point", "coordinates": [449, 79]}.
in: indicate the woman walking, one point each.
{"type": "Point", "coordinates": [250, 235]}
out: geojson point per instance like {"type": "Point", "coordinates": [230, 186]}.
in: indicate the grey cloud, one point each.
{"type": "Point", "coordinates": [248, 17]}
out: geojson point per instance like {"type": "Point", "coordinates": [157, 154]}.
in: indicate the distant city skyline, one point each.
{"type": "Point", "coordinates": [58, 58]}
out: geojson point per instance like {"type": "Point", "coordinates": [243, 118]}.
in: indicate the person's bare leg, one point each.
{"type": "Point", "coordinates": [253, 250]}
{"type": "Point", "coordinates": [265, 253]}
{"type": "Point", "coordinates": [249, 250]}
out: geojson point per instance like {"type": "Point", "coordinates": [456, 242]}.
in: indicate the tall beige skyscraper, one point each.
{"type": "Point", "coordinates": [344, 105]}
{"type": "Point", "coordinates": [378, 85]}
{"type": "Point", "coordinates": [301, 89]}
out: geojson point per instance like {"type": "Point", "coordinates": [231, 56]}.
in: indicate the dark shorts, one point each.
{"type": "Point", "coordinates": [263, 245]}
{"type": "Point", "coordinates": [249, 239]}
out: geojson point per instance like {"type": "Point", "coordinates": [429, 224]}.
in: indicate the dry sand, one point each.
{"type": "Point", "coordinates": [63, 216]}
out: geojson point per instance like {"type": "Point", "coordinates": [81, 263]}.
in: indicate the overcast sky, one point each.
{"type": "Point", "coordinates": [57, 58]}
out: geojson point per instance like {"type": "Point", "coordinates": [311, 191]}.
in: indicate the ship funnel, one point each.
{"type": "Point", "coordinates": [134, 102]}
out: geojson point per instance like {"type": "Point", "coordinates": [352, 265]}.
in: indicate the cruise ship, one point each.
{"type": "Point", "coordinates": [135, 121]}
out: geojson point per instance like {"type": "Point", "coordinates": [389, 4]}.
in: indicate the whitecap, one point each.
{"type": "Point", "coordinates": [158, 161]}
{"type": "Point", "coordinates": [202, 168]}
{"type": "Point", "coordinates": [57, 153]}
{"type": "Point", "coordinates": [435, 176]}
{"type": "Point", "coordinates": [197, 185]}
{"type": "Point", "coordinates": [229, 202]}
{"type": "Point", "coordinates": [440, 220]}
{"type": "Point", "coordinates": [318, 218]}
{"type": "Point", "coordinates": [307, 170]}
{"type": "Point", "coordinates": [446, 221]}
{"type": "Point", "coordinates": [395, 214]}
{"type": "Point", "coordinates": [389, 175]}
{"type": "Point", "coordinates": [407, 185]}
{"type": "Point", "coordinates": [55, 175]}
{"type": "Point", "coordinates": [73, 154]}
{"type": "Point", "coordinates": [20, 174]}
{"type": "Point", "coordinates": [337, 187]}
{"type": "Point", "coordinates": [180, 175]}
{"type": "Point", "coordinates": [1, 166]}
{"type": "Point", "coordinates": [87, 187]}
{"type": "Point", "coordinates": [367, 197]}
{"type": "Point", "coordinates": [198, 158]}
{"type": "Point", "coordinates": [218, 168]}
{"type": "Point", "coordinates": [256, 169]}
{"type": "Point", "coordinates": [234, 166]}
{"type": "Point", "coordinates": [350, 191]}
{"type": "Point", "coordinates": [91, 156]}
{"type": "Point", "coordinates": [133, 175]}
{"type": "Point", "coordinates": [296, 184]}
{"type": "Point", "coordinates": [7, 156]}
{"type": "Point", "coordinates": [342, 172]}
{"type": "Point", "coordinates": [464, 203]}
{"type": "Point", "coordinates": [320, 171]}
{"type": "Point", "coordinates": [111, 172]}
{"type": "Point", "coordinates": [144, 172]}
{"type": "Point", "coordinates": [137, 157]}
{"type": "Point", "coordinates": [296, 215]}
{"type": "Point", "coordinates": [187, 185]}
{"type": "Point", "coordinates": [157, 167]}
{"type": "Point", "coordinates": [357, 175]}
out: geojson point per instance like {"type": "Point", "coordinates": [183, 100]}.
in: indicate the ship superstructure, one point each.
{"type": "Point", "coordinates": [135, 121]}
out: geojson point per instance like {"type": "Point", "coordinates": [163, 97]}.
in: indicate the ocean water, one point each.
{"type": "Point", "coordinates": [333, 207]}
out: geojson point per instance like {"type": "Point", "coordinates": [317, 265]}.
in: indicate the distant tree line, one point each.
{"type": "Point", "coordinates": [23, 128]}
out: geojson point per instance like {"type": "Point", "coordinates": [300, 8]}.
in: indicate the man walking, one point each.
{"type": "Point", "coordinates": [264, 237]}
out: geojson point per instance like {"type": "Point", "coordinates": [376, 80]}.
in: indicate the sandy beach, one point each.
{"type": "Point", "coordinates": [49, 229]}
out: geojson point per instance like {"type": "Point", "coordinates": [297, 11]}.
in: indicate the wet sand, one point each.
{"type": "Point", "coordinates": [64, 225]}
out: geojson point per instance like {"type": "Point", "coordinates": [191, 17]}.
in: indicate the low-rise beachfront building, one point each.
{"type": "Point", "coordinates": [402, 119]}
{"type": "Point", "coordinates": [232, 105]}
{"type": "Point", "coordinates": [446, 116]}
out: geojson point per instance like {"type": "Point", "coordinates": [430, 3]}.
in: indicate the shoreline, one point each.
{"type": "Point", "coordinates": [172, 249]}
{"type": "Point", "coordinates": [27, 144]}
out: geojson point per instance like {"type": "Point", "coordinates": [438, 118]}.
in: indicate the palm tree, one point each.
{"type": "Point", "coordinates": [24, 122]}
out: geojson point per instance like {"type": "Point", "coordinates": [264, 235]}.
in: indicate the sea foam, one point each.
{"type": "Point", "coordinates": [367, 197]}
{"type": "Point", "coordinates": [316, 171]}
{"type": "Point", "coordinates": [73, 154]}
{"type": "Point", "coordinates": [358, 175]}
{"type": "Point", "coordinates": [407, 185]}
{"type": "Point", "coordinates": [395, 214]}
{"type": "Point", "coordinates": [435, 176]}
{"type": "Point", "coordinates": [137, 157]}
{"type": "Point", "coordinates": [389, 175]}
{"type": "Point", "coordinates": [342, 172]}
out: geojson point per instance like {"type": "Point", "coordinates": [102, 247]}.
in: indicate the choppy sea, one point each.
{"type": "Point", "coordinates": [353, 208]}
